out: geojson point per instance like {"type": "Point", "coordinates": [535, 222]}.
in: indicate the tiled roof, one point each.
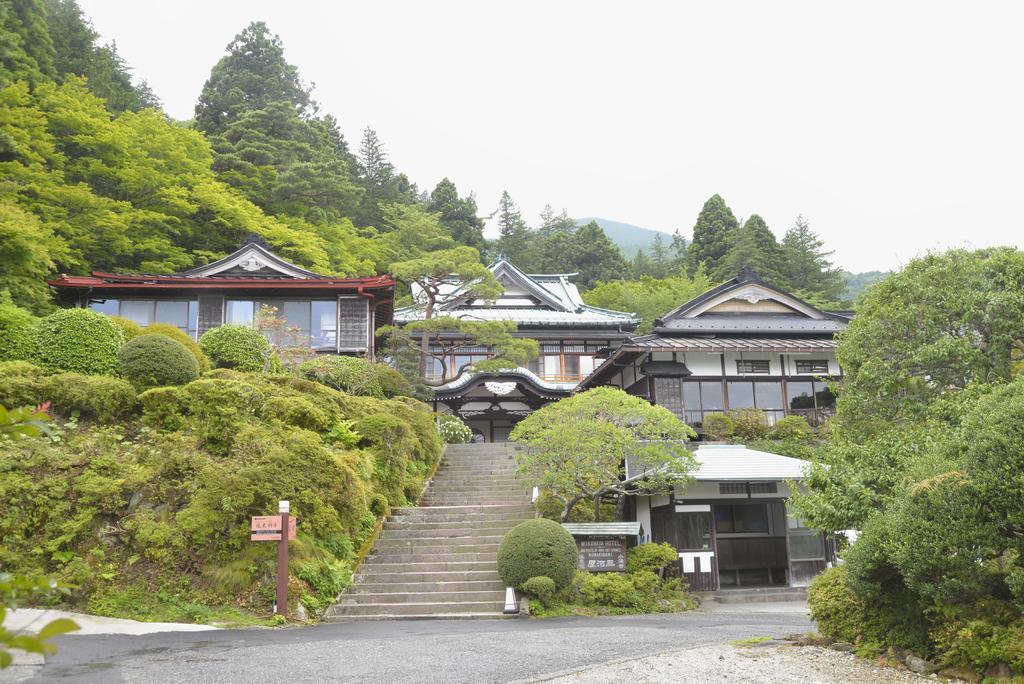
{"type": "Point", "coordinates": [585, 316]}
{"type": "Point", "coordinates": [525, 373]}
{"type": "Point", "coordinates": [727, 344]}
{"type": "Point", "coordinates": [755, 323]}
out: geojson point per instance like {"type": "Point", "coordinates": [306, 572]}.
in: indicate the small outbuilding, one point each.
{"type": "Point", "coordinates": [731, 525]}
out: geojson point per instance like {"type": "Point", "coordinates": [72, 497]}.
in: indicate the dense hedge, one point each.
{"type": "Point", "coordinates": [237, 346]}
{"type": "Point", "coordinates": [17, 333]}
{"type": "Point", "coordinates": [147, 515]}
{"type": "Point", "coordinates": [346, 373]}
{"type": "Point", "coordinates": [537, 548]}
{"type": "Point", "coordinates": [154, 360]}
{"type": "Point", "coordinates": [176, 334]}
{"type": "Point", "coordinates": [78, 340]}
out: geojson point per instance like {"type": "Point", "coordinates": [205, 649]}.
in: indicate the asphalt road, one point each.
{"type": "Point", "coordinates": [406, 651]}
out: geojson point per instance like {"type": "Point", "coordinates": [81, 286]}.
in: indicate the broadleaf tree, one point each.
{"type": "Point", "coordinates": [576, 448]}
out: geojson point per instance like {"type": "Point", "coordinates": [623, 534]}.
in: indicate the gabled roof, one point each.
{"type": "Point", "coordinates": [541, 300]}
{"type": "Point", "coordinates": [252, 267]}
{"type": "Point", "coordinates": [524, 378]}
{"type": "Point", "coordinates": [748, 304]}
{"type": "Point", "coordinates": [256, 261]}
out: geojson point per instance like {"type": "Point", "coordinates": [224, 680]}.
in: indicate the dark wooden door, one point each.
{"type": "Point", "coordinates": [690, 529]}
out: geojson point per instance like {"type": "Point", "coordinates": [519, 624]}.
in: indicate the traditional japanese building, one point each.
{"type": "Point", "coordinates": [545, 307]}
{"type": "Point", "coordinates": [731, 525]}
{"type": "Point", "coordinates": [744, 345]}
{"type": "Point", "coordinates": [336, 315]}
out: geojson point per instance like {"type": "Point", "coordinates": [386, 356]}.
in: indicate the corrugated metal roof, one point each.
{"type": "Point", "coordinates": [737, 463]}
{"type": "Point", "coordinates": [725, 344]}
{"type": "Point", "coordinates": [607, 529]}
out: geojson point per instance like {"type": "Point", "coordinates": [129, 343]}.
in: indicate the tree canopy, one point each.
{"type": "Point", "coordinates": [576, 447]}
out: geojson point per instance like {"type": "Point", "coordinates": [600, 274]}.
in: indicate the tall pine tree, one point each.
{"type": "Point", "coordinates": [713, 234]}
{"type": "Point", "coordinates": [756, 247]}
{"type": "Point", "coordinates": [808, 268]}
{"type": "Point", "coordinates": [381, 184]}
{"type": "Point", "coordinates": [458, 214]}
{"type": "Point", "coordinates": [513, 234]}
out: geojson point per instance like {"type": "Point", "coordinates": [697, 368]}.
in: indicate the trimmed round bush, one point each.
{"type": "Point", "coordinates": [542, 588]}
{"type": "Point", "coordinates": [650, 557]}
{"type": "Point", "coordinates": [157, 361]}
{"type": "Point", "coordinates": [80, 341]}
{"type": "Point", "coordinates": [176, 334]}
{"type": "Point", "coordinates": [17, 333]}
{"type": "Point", "coordinates": [791, 428]}
{"type": "Point", "coordinates": [236, 346]}
{"type": "Point", "coordinates": [129, 328]}
{"type": "Point", "coordinates": [537, 548]}
{"type": "Point", "coordinates": [749, 423]}
{"type": "Point", "coordinates": [349, 374]}
{"type": "Point", "coordinates": [718, 426]}
{"type": "Point", "coordinates": [393, 383]}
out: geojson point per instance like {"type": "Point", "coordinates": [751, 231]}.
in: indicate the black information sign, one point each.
{"type": "Point", "coordinates": [602, 554]}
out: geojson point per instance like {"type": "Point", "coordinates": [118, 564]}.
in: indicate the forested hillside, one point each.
{"type": "Point", "coordinates": [96, 176]}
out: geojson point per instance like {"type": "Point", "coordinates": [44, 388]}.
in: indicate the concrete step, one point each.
{"type": "Point", "coordinates": [773, 594]}
{"type": "Point", "coordinates": [367, 569]}
{"type": "Point", "coordinates": [497, 595]}
{"type": "Point", "coordinates": [492, 530]}
{"type": "Point", "coordinates": [430, 500]}
{"type": "Point", "coordinates": [452, 542]}
{"type": "Point", "coordinates": [432, 616]}
{"type": "Point", "coordinates": [432, 587]}
{"type": "Point", "coordinates": [439, 554]}
{"type": "Point", "coordinates": [459, 510]}
{"type": "Point", "coordinates": [426, 515]}
{"type": "Point", "coordinates": [432, 608]}
{"type": "Point", "coordinates": [481, 609]}
{"type": "Point", "coordinates": [466, 526]}
{"type": "Point", "coordinates": [396, 578]}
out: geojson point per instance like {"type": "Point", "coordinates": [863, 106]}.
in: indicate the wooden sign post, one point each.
{"type": "Point", "coordinates": [269, 528]}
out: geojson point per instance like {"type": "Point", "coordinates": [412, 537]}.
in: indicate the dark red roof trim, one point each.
{"type": "Point", "coordinates": [100, 280]}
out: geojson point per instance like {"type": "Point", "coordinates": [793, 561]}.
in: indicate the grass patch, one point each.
{"type": "Point", "coordinates": [751, 641]}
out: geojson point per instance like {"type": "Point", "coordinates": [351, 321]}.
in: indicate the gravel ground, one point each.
{"type": "Point", "coordinates": [742, 665]}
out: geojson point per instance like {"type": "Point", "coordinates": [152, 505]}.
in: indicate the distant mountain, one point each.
{"type": "Point", "coordinates": [629, 238]}
{"type": "Point", "coordinates": [855, 283]}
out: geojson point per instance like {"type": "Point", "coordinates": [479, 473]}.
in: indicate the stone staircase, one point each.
{"type": "Point", "coordinates": [439, 560]}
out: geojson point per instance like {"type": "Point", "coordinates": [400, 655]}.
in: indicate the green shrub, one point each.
{"type": "Point", "coordinates": [17, 332]}
{"type": "Point", "coordinates": [297, 411]}
{"type": "Point", "coordinates": [239, 347]}
{"type": "Point", "coordinates": [346, 373]}
{"type": "Point", "coordinates": [176, 334]}
{"type": "Point", "coordinates": [93, 396]}
{"type": "Point", "coordinates": [165, 408]}
{"type": "Point", "coordinates": [610, 589]}
{"type": "Point", "coordinates": [392, 383]}
{"type": "Point", "coordinates": [791, 428]}
{"type": "Point", "coordinates": [534, 548]}
{"type": "Point", "coordinates": [379, 505]}
{"type": "Point", "coordinates": [453, 430]}
{"type": "Point", "coordinates": [749, 423]}
{"type": "Point", "coordinates": [21, 384]}
{"type": "Point", "coordinates": [129, 328]}
{"type": "Point", "coordinates": [541, 588]}
{"type": "Point", "coordinates": [650, 557]}
{"type": "Point", "coordinates": [718, 427]}
{"type": "Point", "coordinates": [221, 407]}
{"type": "Point", "coordinates": [872, 625]}
{"type": "Point", "coordinates": [153, 360]}
{"type": "Point", "coordinates": [78, 340]}
{"type": "Point", "coordinates": [980, 643]}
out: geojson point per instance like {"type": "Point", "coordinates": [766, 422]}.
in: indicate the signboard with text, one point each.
{"type": "Point", "coordinates": [602, 554]}
{"type": "Point", "coordinates": [268, 528]}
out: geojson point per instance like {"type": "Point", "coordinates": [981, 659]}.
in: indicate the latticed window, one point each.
{"type": "Point", "coordinates": [807, 367]}
{"type": "Point", "coordinates": [745, 366]}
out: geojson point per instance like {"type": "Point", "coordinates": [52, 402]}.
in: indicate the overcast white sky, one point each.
{"type": "Point", "coordinates": [894, 127]}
